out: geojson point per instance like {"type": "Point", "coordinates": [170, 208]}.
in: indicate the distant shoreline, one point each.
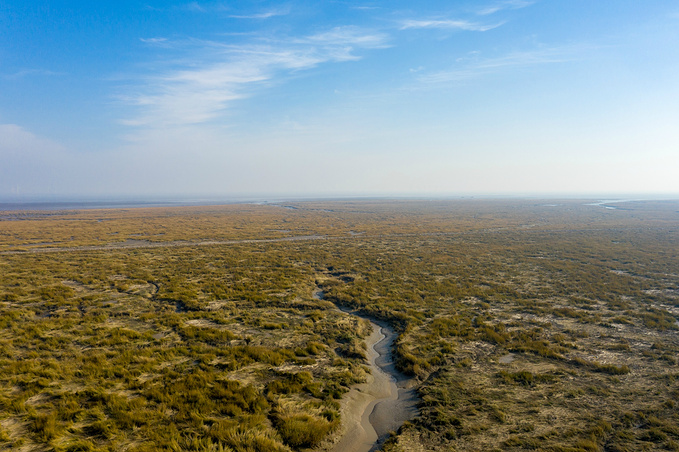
{"type": "Point", "coordinates": [87, 205]}
{"type": "Point", "coordinates": [55, 204]}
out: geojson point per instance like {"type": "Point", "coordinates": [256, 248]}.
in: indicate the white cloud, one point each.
{"type": "Point", "coordinates": [211, 75]}
{"type": "Point", "coordinates": [195, 6]}
{"type": "Point", "coordinates": [16, 140]}
{"type": "Point", "coordinates": [31, 72]}
{"type": "Point", "coordinates": [448, 24]}
{"type": "Point", "coordinates": [153, 40]}
{"type": "Point", "coordinates": [28, 163]}
{"type": "Point", "coordinates": [262, 15]}
{"type": "Point", "coordinates": [348, 36]}
{"type": "Point", "coordinates": [480, 67]}
{"type": "Point", "coordinates": [509, 4]}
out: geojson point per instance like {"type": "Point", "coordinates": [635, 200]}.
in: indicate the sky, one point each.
{"type": "Point", "coordinates": [339, 98]}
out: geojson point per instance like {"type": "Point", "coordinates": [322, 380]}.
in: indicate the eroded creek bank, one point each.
{"type": "Point", "coordinates": [374, 409]}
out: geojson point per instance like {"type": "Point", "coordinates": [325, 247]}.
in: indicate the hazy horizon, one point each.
{"type": "Point", "coordinates": [299, 99]}
{"type": "Point", "coordinates": [51, 202]}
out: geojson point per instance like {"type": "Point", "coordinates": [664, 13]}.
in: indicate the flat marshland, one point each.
{"type": "Point", "coordinates": [528, 325]}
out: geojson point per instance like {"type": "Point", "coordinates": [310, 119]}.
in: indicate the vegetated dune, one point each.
{"type": "Point", "coordinates": [222, 345]}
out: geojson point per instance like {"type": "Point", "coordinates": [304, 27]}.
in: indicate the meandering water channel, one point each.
{"type": "Point", "coordinates": [374, 409]}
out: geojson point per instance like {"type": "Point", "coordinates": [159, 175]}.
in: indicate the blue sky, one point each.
{"type": "Point", "coordinates": [331, 98]}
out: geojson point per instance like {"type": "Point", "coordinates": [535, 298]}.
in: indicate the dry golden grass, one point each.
{"type": "Point", "coordinates": [529, 326]}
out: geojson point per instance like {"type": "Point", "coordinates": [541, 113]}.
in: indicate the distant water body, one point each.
{"type": "Point", "coordinates": [68, 204]}
{"type": "Point", "coordinates": [78, 205]}
{"type": "Point", "coordinates": [605, 203]}
{"type": "Point", "coordinates": [47, 203]}
{"type": "Point", "coordinates": [17, 203]}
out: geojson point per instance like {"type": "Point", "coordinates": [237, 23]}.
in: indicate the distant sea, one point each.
{"type": "Point", "coordinates": [78, 204]}
{"type": "Point", "coordinates": [8, 203]}
{"type": "Point", "coordinates": [16, 203]}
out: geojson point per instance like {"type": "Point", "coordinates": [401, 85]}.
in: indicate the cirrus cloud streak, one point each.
{"type": "Point", "coordinates": [448, 24]}
{"type": "Point", "coordinates": [219, 74]}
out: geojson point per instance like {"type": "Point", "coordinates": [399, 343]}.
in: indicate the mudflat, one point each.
{"type": "Point", "coordinates": [373, 409]}
{"type": "Point", "coordinates": [357, 432]}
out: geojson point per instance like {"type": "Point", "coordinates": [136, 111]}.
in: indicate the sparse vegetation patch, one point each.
{"type": "Point", "coordinates": [205, 334]}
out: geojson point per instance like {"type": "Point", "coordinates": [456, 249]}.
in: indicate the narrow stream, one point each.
{"type": "Point", "coordinates": [373, 410]}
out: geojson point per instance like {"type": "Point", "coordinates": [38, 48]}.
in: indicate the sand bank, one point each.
{"type": "Point", "coordinates": [371, 410]}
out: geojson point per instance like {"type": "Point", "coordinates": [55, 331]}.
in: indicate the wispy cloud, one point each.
{"type": "Point", "coordinates": [448, 24]}
{"type": "Point", "coordinates": [31, 72]}
{"type": "Point", "coordinates": [352, 36]}
{"type": "Point", "coordinates": [195, 6]}
{"type": "Point", "coordinates": [480, 67]}
{"type": "Point", "coordinates": [262, 15]}
{"type": "Point", "coordinates": [234, 13]}
{"type": "Point", "coordinates": [154, 41]}
{"type": "Point", "coordinates": [29, 163]}
{"type": "Point", "coordinates": [508, 4]}
{"type": "Point", "coordinates": [210, 75]}
{"type": "Point", "coordinates": [16, 139]}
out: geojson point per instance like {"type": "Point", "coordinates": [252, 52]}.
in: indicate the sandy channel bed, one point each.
{"type": "Point", "coordinates": [371, 410]}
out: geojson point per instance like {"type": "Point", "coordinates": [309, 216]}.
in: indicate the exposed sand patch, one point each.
{"type": "Point", "coordinates": [371, 410]}
{"type": "Point", "coordinates": [506, 359]}
{"type": "Point", "coordinates": [357, 433]}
